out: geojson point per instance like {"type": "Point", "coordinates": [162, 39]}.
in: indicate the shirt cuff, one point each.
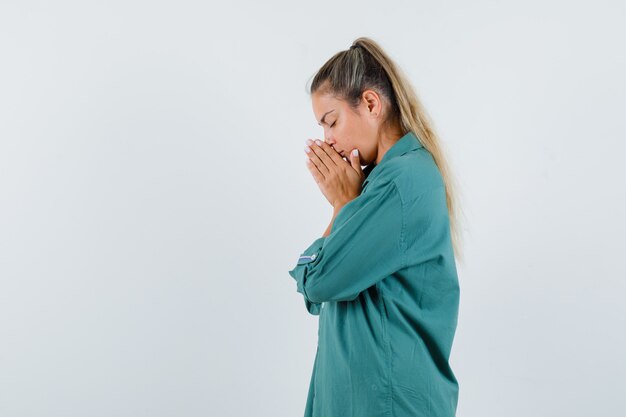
{"type": "Point", "coordinates": [299, 272]}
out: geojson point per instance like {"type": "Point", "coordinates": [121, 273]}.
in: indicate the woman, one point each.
{"type": "Point", "coordinates": [382, 277]}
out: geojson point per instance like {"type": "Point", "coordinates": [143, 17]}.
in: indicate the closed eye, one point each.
{"type": "Point", "coordinates": [333, 124]}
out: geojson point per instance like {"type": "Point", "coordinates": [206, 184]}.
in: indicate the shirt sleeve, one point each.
{"type": "Point", "coordinates": [365, 245]}
{"type": "Point", "coordinates": [299, 273]}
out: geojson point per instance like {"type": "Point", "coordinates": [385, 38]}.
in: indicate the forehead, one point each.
{"type": "Point", "coordinates": [323, 103]}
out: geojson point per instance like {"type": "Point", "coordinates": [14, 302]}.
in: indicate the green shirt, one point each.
{"type": "Point", "coordinates": [384, 284]}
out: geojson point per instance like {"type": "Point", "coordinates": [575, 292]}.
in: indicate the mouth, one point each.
{"type": "Point", "coordinates": [340, 153]}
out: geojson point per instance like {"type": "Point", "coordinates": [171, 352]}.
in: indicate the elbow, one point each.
{"type": "Point", "coordinates": [311, 291]}
{"type": "Point", "coordinates": [318, 292]}
{"type": "Point", "coordinates": [314, 295]}
{"type": "Point", "coordinates": [318, 286]}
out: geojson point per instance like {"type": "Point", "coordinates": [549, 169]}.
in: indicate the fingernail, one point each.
{"type": "Point", "coordinates": [307, 149]}
{"type": "Point", "coordinates": [309, 142]}
{"type": "Point", "coordinates": [319, 142]}
{"type": "Point", "coordinates": [355, 152]}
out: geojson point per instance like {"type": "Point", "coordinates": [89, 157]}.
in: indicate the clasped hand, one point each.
{"type": "Point", "coordinates": [339, 180]}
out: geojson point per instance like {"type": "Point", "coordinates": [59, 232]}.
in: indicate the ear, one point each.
{"type": "Point", "coordinates": [373, 102]}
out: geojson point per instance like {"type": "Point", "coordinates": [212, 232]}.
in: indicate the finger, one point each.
{"type": "Point", "coordinates": [317, 175]}
{"type": "Point", "coordinates": [313, 154]}
{"type": "Point", "coordinates": [320, 148]}
{"type": "Point", "coordinates": [317, 169]}
{"type": "Point", "coordinates": [355, 161]}
{"type": "Point", "coordinates": [332, 153]}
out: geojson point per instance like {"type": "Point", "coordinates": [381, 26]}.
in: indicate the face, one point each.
{"type": "Point", "coordinates": [346, 130]}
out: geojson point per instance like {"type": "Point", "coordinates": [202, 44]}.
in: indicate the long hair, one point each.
{"type": "Point", "coordinates": [366, 66]}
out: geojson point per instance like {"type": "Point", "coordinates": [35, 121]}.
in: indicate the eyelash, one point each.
{"type": "Point", "coordinates": [333, 124]}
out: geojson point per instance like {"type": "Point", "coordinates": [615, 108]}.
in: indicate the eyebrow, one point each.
{"type": "Point", "coordinates": [324, 116]}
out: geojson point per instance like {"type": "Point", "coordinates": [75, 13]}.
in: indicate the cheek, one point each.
{"type": "Point", "coordinates": [344, 135]}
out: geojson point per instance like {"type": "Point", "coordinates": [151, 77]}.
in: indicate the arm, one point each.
{"type": "Point", "coordinates": [365, 243]}
{"type": "Point", "coordinates": [336, 211]}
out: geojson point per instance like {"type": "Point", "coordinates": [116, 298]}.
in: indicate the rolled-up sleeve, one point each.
{"type": "Point", "coordinates": [299, 272]}
{"type": "Point", "coordinates": [365, 245]}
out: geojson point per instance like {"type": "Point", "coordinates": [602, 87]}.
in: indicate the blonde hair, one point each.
{"type": "Point", "coordinates": [366, 66]}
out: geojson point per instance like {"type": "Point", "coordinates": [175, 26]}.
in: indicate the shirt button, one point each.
{"type": "Point", "coordinates": [374, 387]}
{"type": "Point", "coordinates": [314, 256]}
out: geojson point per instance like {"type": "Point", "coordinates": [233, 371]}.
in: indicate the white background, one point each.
{"type": "Point", "coordinates": [153, 196]}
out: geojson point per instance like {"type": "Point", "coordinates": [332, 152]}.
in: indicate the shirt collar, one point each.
{"type": "Point", "coordinates": [405, 144]}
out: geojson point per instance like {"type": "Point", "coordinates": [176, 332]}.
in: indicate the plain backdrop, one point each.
{"type": "Point", "coordinates": [153, 196]}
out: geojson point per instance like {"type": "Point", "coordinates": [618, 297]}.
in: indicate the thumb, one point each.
{"type": "Point", "coordinates": [354, 159]}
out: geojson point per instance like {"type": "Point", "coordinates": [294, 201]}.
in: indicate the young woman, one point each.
{"type": "Point", "coordinates": [382, 277]}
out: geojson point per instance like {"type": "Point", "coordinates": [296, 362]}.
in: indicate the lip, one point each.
{"type": "Point", "coordinates": [339, 152]}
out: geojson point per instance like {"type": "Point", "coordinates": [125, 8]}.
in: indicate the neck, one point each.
{"type": "Point", "coordinates": [385, 142]}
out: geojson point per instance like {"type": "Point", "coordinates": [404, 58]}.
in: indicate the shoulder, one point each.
{"type": "Point", "coordinates": [413, 174]}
